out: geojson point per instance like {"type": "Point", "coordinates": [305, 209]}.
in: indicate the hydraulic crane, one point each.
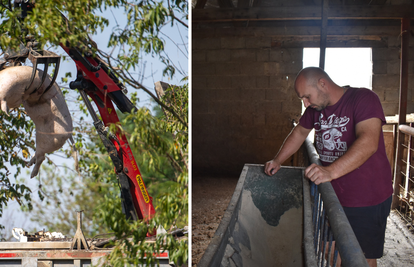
{"type": "Point", "coordinates": [94, 79]}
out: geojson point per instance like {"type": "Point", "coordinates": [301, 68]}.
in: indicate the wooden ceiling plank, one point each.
{"type": "Point", "coordinates": [225, 3]}
{"type": "Point", "coordinates": [324, 33]}
{"type": "Point", "coordinates": [300, 13]}
{"type": "Point", "coordinates": [256, 3]}
{"type": "Point", "coordinates": [243, 3]}
{"type": "Point", "coordinates": [200, 4]}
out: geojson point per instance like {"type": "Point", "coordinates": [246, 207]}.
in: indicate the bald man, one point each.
{"type": "Point", "coordinates": [349, 139]}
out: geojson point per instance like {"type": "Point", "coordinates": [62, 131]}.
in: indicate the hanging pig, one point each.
{"type": "Point", "coordinates": [48, 110]}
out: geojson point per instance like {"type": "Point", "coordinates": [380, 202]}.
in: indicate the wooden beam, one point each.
{"type": "Point", "coordinates": [301, 13]}
{"type": "Point", "coordinates": [324, 33]}
{"type": "Point", "coordinates": [308, 2]}
{"type": "Point", "coordinates": [200, 4]}
{"type": "Point", "coordinates": [243, 3]}
{"type": "Point", "coordinates": [405, 43]}
{"type": "Point", "coordinates": [256, 3]}
{"type": "Point", "coordinates": [225, 3]}
{"type": "Point", "coordinates": [316, 37]}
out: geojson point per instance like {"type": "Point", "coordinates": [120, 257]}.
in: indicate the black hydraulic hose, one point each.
{"type": "Point", "coordinates": [76, 55]}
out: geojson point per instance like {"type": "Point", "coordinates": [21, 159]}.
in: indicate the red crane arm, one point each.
{"type": "Point", "coordinates": [103, 96]}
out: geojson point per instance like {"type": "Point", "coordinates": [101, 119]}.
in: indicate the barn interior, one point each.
{"type": "Point", "coordinates": [245, 57]}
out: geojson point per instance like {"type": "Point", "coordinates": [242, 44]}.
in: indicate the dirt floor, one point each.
{"type": "Point", "coordinates": [399, 244]}
{"type": "Point", "coordinates": [211, 196]}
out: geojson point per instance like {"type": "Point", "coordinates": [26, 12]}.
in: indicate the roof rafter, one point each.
{"type": "Point", "coordinates": [300, 13]}
{"type": "Point", "coordinates": [243, 3]}
{"type": "Point", "coordinates": [225, 3]}
{"type": "Point", "coordinates": [200, 4]}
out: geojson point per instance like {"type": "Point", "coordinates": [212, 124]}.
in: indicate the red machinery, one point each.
{"type": "Point", "coordinates": [104, 89]}
{"type": "Point", "coordinates": [95, 80]}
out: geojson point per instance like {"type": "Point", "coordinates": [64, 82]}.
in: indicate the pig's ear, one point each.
{"type": "Point", "coordinates": [4, 107]}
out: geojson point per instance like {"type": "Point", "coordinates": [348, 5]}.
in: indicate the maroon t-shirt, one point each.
{"type": "Point", "coordinates": [371, 183]}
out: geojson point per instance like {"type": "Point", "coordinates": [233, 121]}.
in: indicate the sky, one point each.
{"type": "Point", "coordinates": [12, 216]}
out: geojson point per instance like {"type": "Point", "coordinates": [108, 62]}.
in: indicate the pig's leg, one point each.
{"type": "Point", "coordinates": [45, 143]}
{"type": "Point", "coordinates": [37, 160]}
{"type": "Point", "coordinates": [4, 107]}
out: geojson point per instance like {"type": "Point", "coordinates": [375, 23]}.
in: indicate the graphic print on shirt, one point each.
{"type": "Point", "coordinates": [328, 134]}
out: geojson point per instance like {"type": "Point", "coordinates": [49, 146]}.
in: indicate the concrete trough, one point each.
{"type": "Point", "coordinates": [263, 224]}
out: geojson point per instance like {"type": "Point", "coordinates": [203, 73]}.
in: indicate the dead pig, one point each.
{"type": "Point", "coordinates": [48, 110]}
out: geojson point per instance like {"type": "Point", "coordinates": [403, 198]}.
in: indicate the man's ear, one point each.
{"type": "Point", "coordinates": [322, 84]}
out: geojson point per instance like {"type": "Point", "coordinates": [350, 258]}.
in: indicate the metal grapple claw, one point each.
{"type": "Point", "coordinates": [43, 57]}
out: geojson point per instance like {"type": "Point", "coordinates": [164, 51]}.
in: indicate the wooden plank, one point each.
{"type": "Point", "coordinates": [389, 146]}
{"type": "Point", "coordinates": [405, 43]}
{"type": "Point", "coordinates": [330, 38]}
{"type": "Point", "coordinates": [200, 4]}
{"type": "Point", "coordinates": [243, 3]}
{"type": "Point", "coordinates": [308, 2]}
{"type": "Point", "coordinates": [300, 13]}
{"type": "Point", "coordinates": [256, 3]}
{"type": "Point", "coordinates": [35, 245]}
{"type": "Point", "coordinates": [225, 3]}
{"type": "Point", "coordinates": [324, 33]}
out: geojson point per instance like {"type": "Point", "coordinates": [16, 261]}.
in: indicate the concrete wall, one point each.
{"type": "Point", "coordinates": [243, 100]}
{"type": "Point", "coordinates": [386, 75]}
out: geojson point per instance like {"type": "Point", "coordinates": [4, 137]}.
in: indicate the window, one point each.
{"type": "Point", "coordinates": [345, 66]}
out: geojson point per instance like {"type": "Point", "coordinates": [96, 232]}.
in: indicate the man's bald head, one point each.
{"type": "Point", "coordinates": [310, 76]}
{"type": "Point", "coordinates": [316, 89]}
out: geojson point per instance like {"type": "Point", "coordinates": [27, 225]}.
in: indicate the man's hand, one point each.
{"type": "Point", "coordinates": [318, 174]}
{"type": "Point", "coordinates": [271, 167]}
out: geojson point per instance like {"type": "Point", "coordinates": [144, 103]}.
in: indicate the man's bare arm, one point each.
{"type": "Point", "coordinates": [366, 144]}
{"type": "Point", "coordinates": [291, 144]}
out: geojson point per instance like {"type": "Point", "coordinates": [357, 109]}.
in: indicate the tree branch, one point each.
{"type": "Point", "coordinates": [135, 84]}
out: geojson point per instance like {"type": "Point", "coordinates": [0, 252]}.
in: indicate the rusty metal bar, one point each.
{"type": "Point", "coordinates": [405, 42]}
